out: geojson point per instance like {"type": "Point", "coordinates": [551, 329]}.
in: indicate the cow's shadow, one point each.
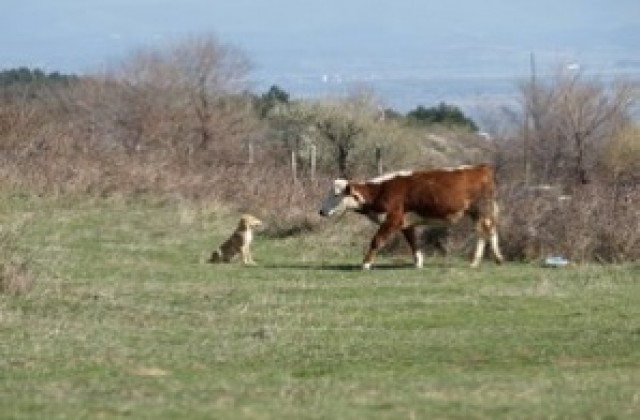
{"type": "Point", "coordinates": [338, 267]}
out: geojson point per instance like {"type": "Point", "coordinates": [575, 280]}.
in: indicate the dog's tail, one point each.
{"type": "Point", "coordinates": [216, 257]}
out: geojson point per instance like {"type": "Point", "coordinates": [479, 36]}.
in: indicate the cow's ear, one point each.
{"type": "Point", "coordinates": [339, 186]}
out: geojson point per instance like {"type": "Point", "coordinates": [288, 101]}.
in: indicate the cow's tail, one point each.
{"type": "Point", "coordinates": [495, 210]}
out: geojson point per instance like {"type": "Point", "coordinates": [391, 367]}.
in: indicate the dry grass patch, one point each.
{"type": "Point", "coordinates": [15, 278]}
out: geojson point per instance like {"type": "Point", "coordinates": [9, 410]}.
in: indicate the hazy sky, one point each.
{"type": "Point", "coordinates": [83, 35]}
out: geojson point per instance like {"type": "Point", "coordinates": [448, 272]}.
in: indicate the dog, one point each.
{"type": "Point", "coordinates": [238, 243]}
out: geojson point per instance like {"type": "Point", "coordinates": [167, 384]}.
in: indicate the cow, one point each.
{"type": "Point", "coordinates": [404, 200]}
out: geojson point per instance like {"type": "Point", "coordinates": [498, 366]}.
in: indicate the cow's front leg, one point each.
{"type": "Point", "coordinates": [412, 239]}
{"type": "Point", "coordinates": [391, 224]}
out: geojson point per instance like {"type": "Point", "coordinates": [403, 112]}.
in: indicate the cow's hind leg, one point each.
{"type": "Point", "coordinates": [477, 256]}
{"type": "Point", "coordinates": [495, 248]}
{"type": "Point", "coordinates": [493, 233]}
{"type": "Point", "coordinates": [486, 231]}
{"type": "Point", "coordinates": [412, 239]}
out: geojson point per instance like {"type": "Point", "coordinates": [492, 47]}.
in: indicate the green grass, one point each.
{"type": "Point", "coordinates": [124, 320]}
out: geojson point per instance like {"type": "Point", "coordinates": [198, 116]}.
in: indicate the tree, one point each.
{"type": "Point", "coordinates": [195, 89]}
{"type": "Point", "coordinates": [208, 71]}
{"type": "Point", "coordinates": [274, 98]}
{"type": "Point", "coordinates": [444, 114]}
{"type": "Point", "coordinates": [276, 95]}
{"type": "Point", "coordinates": [568, 123]}
{"type": "Point", "coordinates": [341, 133]}
{"type": "Point", "coordinates": [24, 76]}
{"type": "Point", "coordinates": [342, 123]}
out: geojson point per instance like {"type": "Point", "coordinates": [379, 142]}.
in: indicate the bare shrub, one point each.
{"type": "Point", "coordinates": [567, 123]}
{"type": "Point", "coordinates": [186, 98]}
{"type": "Point", "coordinates": [590, 224]}
{"type": "Point", "coordinates": [622, 156]}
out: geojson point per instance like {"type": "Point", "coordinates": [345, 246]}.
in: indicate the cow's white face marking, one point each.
{"type": "Point", "coordinates": [337, 201]}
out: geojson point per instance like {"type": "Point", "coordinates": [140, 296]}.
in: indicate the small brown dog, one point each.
{"type": "Point", "coordinates": [238, 243]}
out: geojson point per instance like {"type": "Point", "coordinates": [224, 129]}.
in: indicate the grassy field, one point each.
{"type": "Point", "coordinates": [124, 320]}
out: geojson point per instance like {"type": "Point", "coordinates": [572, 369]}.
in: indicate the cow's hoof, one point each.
{"type": "Point", "coordinates": [419, 260]}
{"type": "Point", "coordinates": [366, 266]}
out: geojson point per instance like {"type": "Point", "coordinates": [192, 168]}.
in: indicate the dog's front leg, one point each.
{"type": "Point", "coordinates": [247, 259]}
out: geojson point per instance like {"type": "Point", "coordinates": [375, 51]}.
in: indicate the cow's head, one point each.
{"type": "Point", "coordinates": [342, 196]}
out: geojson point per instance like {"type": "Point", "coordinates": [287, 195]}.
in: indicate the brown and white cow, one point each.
{"type": "Point", "coordinates": [405, 200]}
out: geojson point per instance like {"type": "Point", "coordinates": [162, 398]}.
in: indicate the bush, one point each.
{"type": "Point", "coordinates": [594, 223]}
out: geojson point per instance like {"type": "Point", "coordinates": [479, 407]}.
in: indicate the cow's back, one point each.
{"type": "Point", "coordinates": [440, 193]}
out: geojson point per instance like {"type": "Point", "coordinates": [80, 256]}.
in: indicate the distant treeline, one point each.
{"type": "Point", "coordinates": [24, 75]}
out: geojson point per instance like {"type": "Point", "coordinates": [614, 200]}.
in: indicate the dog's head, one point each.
{"type": "Point", "coordinates": [248, 221]}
